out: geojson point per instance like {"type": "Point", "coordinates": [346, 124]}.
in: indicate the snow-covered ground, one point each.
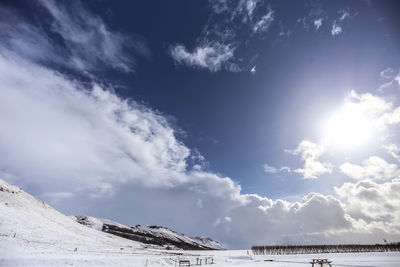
{"type": "Point", "coordinates": [238, 258]}
{"type": "Point", "coordinates": [34, 234]}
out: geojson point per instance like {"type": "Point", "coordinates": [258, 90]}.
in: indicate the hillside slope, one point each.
{"type": "Point", "coordinates": [27, 222]}
{"type": "Point", "coordinates": [156, 235]}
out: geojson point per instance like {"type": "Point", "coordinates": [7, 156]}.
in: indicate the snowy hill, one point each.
{"type": "Point", "coordinates": [155, 235]}
{"type": "Point", "coordinates": [29, 223]}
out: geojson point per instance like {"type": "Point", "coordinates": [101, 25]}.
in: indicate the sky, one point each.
{"type": "Point", "coordinates": [249, 121]}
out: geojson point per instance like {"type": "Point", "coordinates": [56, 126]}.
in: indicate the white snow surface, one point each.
{"type": "Point", "coordinates": [34, 234]}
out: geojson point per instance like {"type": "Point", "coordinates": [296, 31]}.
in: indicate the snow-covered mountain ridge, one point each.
{"type": "Point", "coordinates": [156, 235]}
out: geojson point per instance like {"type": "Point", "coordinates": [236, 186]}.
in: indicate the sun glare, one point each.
{"type": "Point", "coordinates": [348, 128]}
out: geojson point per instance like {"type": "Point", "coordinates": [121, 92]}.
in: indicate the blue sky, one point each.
{"type": "Point", "coordinates": [272, 109]}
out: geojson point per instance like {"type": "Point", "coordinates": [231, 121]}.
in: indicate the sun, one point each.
{"type": "Point", "coordinates": [348, 128]}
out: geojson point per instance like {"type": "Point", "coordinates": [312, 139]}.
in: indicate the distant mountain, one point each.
{"type": "Point", "coordinates": [154, 235]}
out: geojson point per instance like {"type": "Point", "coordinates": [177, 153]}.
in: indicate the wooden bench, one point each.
{"type": "Point", "coordinates": [321, 262]}
{"type": "Point", "coordinates": [184, 262]}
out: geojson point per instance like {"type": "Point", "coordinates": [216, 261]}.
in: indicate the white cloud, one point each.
{"type": "Point", "coordinates": [343, 14]}
{"type": "Point", "coordinates": [230, 28]}
{"type": "Point", "coordinates": [372, 168]}
{"type": "Point", "coordinates": [390, 118]}
{"type": "Point", "coordinates": [270, 169]}
{"type": "Point", "coordinates": [219, 6]}
{"type": "Point", "coordinates": [109, 152]}
{"type": "Point", "coordinates": [336, 29]}
{"type": "Point", "coordinates": [368, 103]}
{"type": "Point", "coordinates": [286, 169]}
{"type": "Point", "coordinates": [212, 56]}
{"type": "Point", "coordinates": [264, 23]}
{"type": "Point", "coordinates": [251, 6]}
{"type": "Point", "coordinates": [375, 109]}
{"type": "Point", "coordinates": [310, 154]}
{"type": "Point", "coordinates": [96, 121]}
{"type": "Point", "coordinates": [89, 42]}
{"type": "Point", "coordinates": [393, 150]}
{"type": "Point", "coordinates": [393, 77]}
{"type": "Point", "coordinates": [253, 70]}
{"type": "Point", "coordinates": [317, 23]}
{"type": "Point", "coordinates": [246, 9]}
{"type": "Point", "coordinates": [397, 79]}
{"type": "Point", "coordinates": [388, 73]}
{"type": "Point", "coordinates": [373, 206]}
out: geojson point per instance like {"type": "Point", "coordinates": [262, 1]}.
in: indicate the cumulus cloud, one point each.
{"type": "Point", "coordinates": [389, 118]}
{"type": "Point", "coordinates": [374, 168]}
{"type": "Point", "coordinates": [212, 56]}
{"type": "Point", "coordinates": [368, 103]}
{"type": "Point", "coordinates": [310, 153]}
{"type": "Point", "coordinates": [379, 112]}
{"type": "Point", "coordinates": [373, 205]}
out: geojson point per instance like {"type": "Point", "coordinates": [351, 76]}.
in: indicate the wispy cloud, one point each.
{"type": "Point", "coordinates": [317, 24]}
{"type": "Point", "coordinates": [336, 29]}
{"type": "Point", "coordinates": [90, 42]}
{"type": "Point", "coordinates": [85, 43]}
{"type": "Point", "coordinates": [393, 150]}
{"type": "Point", "coordinates": [264, 23]}
{"type": "Point", "coordinates": [212, 56]}
{"type": "Point", "coordinates": [231, 25]}
{"type": "Point", "coordinates": [343, 14]}
{"type": "Point", "coordinates": [388, 73]}
{"type": "Point", "coordinates": [271, 169]}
